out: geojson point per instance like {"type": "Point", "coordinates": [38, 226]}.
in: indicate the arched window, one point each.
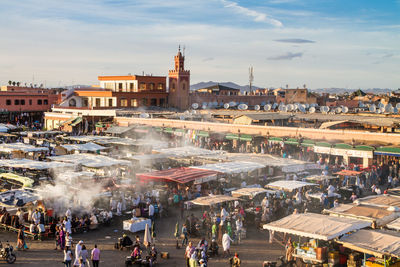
{"type": "Point", "coordinates": [72, 102]}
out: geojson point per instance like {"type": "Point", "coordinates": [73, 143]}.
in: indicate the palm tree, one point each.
{"type": "Point", "coordinates": [18, 83]}
{"type": "Point", "coordinates": [13, 83]}
{"type": "Point", "coordinates": [9, 82]}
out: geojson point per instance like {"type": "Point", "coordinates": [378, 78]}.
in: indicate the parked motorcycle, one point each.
{"type": "Point", "coordinates": [7, 253]}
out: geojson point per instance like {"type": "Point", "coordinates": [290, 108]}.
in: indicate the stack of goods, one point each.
{"type": "Point", "coordinates": [354, 260]}
{"type": "Point", "coordinates": [333, 258]}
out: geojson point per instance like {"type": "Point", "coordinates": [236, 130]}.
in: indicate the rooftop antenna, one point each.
{"type": "Point", "coordinates": [179, 48]}
{"type": "Point", "coordinates": [184, 48]}
{"type": "Point", "coordinates": [251, 78]}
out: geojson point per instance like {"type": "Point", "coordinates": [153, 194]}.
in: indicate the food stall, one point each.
{"type": "Point", "coordinates": [384, 200]}
{"type": "Point", "coordinates": [315, 227]}
{"type": "Point", "coordinates": [380, 248]}
{"type": "Point", "coordinates": [135, 224]}
{"type": "Point", "coordinates": [74, 148]}
{"type": "Point", "coordinates": [347, 182]}
{"type": "Point", "coordinates": [288, 185]}
{"type": "Point", "coordinates": [377, 216]}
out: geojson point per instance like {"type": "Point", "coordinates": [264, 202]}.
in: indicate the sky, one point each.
{"type": "Point", "coordinates": [317, 43]}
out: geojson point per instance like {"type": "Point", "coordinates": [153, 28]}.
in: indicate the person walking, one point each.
{"type": "Point", "coordinates": [188, 252]}
{"type": "Point", "coordinates": [95, 256]}
{"type": "Point", "coordinates": [184, 235]}
{"type": "Point", "coordinates": [21, 239]}
{"type": "Point", "coordinates": [226, 244]}
{"type": "Point", "coordinates": [67, 257]}
{"type": "Point", "coordinates": [83, 257]}
{"type": "Point", "coordinates": [68, 240]}
{"type": "Point", "coordinates": [78, 249]}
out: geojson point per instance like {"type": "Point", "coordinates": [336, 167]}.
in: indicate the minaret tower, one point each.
{"type": "Point", "coordinates": [179, 83]}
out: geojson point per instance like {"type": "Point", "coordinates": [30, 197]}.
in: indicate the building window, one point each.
{"type": "Point", "coordinates": [45, 102]}
{"type": "Point", "coordinates": [8, 102]}
{"type": "Point", "coordinates": [131, 87]}
{"type": "Point", "coordinates": [110, 102]}
{"type": "Point", "coordinates": [134, 102]}
{"type": "Point", "coordinates": [162, 102]}
{"type": "Point", "coordinates": [144, 101]}
{"type": "Point", "coordinates": [153, 102]}
{"type": "Point", "coordinates": [72, 103]}
{"type": "Point", "coordinates": [98, 102]}
{"type": "Point", "coordinates": [30, 102]}
{"type": "Point", "coordinates": [120, 85]}
{"type": "Point", "coordinates": [22, 101]}
{"type": "Point", "coordinates": [142, 86]}
{"type": "Point", "coordinates": [152, 86]}
{"type": "Point", "coordinates": [124, 102]}
{"type": "Point", "coordinates": [160, 86]}
{"type": "Point", "coordinates": [16, 102]}
{"type": "Point", "coordinates": [183, 87]}
{"type": "Point", "coordinates": [85, 102]}
{"type": "Point", "coordinates": [39, 101]}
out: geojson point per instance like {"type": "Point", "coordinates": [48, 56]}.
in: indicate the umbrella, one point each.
{"type": "Point", "coordinates": [147, 236]}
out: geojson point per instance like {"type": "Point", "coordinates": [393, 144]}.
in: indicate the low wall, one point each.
{"type": "Point", "coordinates": [345, 136]}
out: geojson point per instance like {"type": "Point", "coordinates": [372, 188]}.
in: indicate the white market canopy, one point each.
{"type": "Point", "coordinates": [318, 226]}
{"type": "Point", "coordinates": [250, 192]}
{"type": "Point", "coordinates": [380, 215]}
{"type": "Point", "coordinates": [320, 178]}
{"type": "Point", "coordinates": [288, 185]}
{"type": "Point", "coordinates": [394, 224]}
{"type": "Point", "coordinates": [84, 147]}
{"type": "Point", "coordinates": [90, 160]}
{"type": "Point", "coordinates": [378, 243]}
{"type": "Point", "coordinates": [212, 200]}
{"type": "Point", "coordinates": [187, 151]}
{"type": "Point", "coordinates": [285, 164]}
{"type": "Point", "coordinates": [384, 200]}
{"type": "Point", "coordinates": [34, 164]}
{"type": "Point", "coordinates": [69, 176]}
{"type": "Point", "coordinates": [234, 167]}
{"type": "Point", "coordinates": [11, 147]}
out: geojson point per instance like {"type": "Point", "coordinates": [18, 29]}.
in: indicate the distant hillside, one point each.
{"type": "Point", "coordinates": [228, 84]}
{"type": "Point", "coordinates": [344, 90]}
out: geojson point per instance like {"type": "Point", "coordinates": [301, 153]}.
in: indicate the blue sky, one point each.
{"type": "Point", "coordinates": [320, 43]}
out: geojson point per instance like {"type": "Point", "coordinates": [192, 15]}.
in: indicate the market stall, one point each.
{"type": "Point", "coordinates": [380, 248]}
{"type": "Point", "coordinates": [314, 227]}
{"type": "Point", "coordinates": [384, 200]}
{"type": "Point", "coordinates": [21, 150]}
{"type": "Point", "coordinates": [90, 160]}
{"type": "Point", "coordinates": [212, 200]}
{"type": "Point", "coordinates": [251, 192]}
{"type": "Point", "coordinates": [136, 224]}
{"type": "Point", "coordinates": [288, 185]}
{"type": "Point", "coordinates": [348, 180]}
{"type": "Point", "coordinates": [377, 216]}
{"type": "Point", "coordinates": [179, 175]}
{"type": "Point", "coordinates": [35, 165]}
{"type": "Point", "coordinates": [16, 180]}
{"type": "Point", "coordinates": [86, 147]}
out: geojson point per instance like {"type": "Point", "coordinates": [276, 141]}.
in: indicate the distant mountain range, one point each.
{"type": "Point", "coordinates": [319, 90]}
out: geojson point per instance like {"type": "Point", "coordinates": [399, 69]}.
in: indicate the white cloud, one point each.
{"type": "Point", "coordinates": [257, 16]}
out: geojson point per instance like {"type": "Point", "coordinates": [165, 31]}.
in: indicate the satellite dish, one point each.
{"type": "Point", "coordinates": [182, 118]}
{"type": "Point", "coordinates": [284, 108]}
{"type": "Point", "coordinates": [302, 109]}
{"type": "Point", "coordinates": [388, 108]}
{"type": "Point", "coordinates": [345, 109]}
{"type": "Point", "coordinates": [204, 106]}
{"type": "Point", "coordinates": [324, 109]}
{"type": "Point", "coordinates": [290, 107]}
{"type": "Point", "coordinates": [378, 111]}
{"type": "Point", "coordinates": [307, 105]}
{"type": "Point", "coordinates": [382, 110]}
{"type": "Point", "coordinates": [275, 105]}
{"type": "Point", "coordinates": [372, 108]}
{"type": "Point", "coordinates": [338, 110]}
{"type": "Point", "coordinates": [267, 107]}
{"type": "Point", "coordinates": [243, 107]}
{"type": "Point", "coordinates": [232, 104]}
{"type": "Point", "coordinates": [226, 105]}
{"type": "Point", "coordinates": [296, 106]}
{"type": "Point", "coordinates": [395, 110]}
{"type": "Point", "coordinates": [314, 105]}
{"type": "Point", "coordinates": [312, 110]}
{"type": "Point", "coordinates": [398, 105]}
{"type": "Point", "coordinates": [144, 115]}
{"type": "Point", "coordinates": [195, 106]}
{"type": "Point", "coordinates": [381, 105]}
{"type": "Point", "coordinates": [257, 107]}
